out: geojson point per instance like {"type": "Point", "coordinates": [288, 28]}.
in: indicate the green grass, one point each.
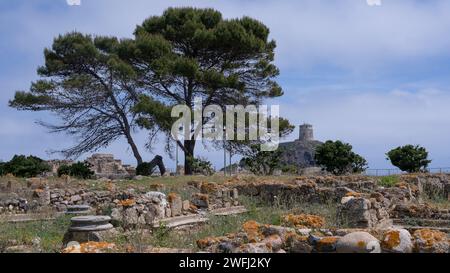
{"type": "Point", "coordinates": [49, 232]}
{"type": "Point", "coordinates": [388, 181]}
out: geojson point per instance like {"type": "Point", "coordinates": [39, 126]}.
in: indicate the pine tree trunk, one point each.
{"type": "Point", "coordinates": [189, 146]}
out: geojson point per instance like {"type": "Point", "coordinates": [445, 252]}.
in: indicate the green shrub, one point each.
{"type": "Point", "coordinates": [409, 158]}
{"type": "Point", "coordinates": [64, 170]}
{"type": "Point", "coordinates": [201, 166]}
{"type": "Point", "coordinates": [338, 158]}
{"type": "Point", "coordinates": [23, 166]}
{"type": "Point", "coordinates": [388, 181]}
{"type": "Point", "coordinates": [289, 169]}
{"type": "Point", "coordinates": [81, 170]}
{"type": "Point", "coordinates": [262, 162]}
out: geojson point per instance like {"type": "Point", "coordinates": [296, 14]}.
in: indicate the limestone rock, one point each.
{"type": "Point", "coordinates": [176, 204]}
{"type": "Point", "coordinates": [200, 200]}
{"type": "Point", "coordinates": [397, 241]}
{"type": "Point", "coordinates": [297, 244]}
{"type": "Point", "coordinates": [91, 247]}
{"type": "Point", "coordinates": [130, 217]}
{"type": "Point", "coordinates": [430, 241]}
{"type": "Point", "coordinates": [359, 212]}
{"type": "Point", "coordinates": [326, 244]}
{"type": "Point", "coordinates": [274, 242]}
{"type": "Point", "coordinates": [254, 248]}
{"type": "Point", "coordinates": [358, 242]}
{"type": "Point", "coordinates": [186, 205]}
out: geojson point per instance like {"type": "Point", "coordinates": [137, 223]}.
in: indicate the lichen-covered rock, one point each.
{"type": "Point", "coordinates": [176, 204]}
{"type": "Point", "coordinates": [91, 247]}
{"type": "Point", "coordinates": [273, 242]}
{"type": "Point", "coordinates": [326, 244]}
{"type": "Point", "coordinates": [254, 248]}
{"type": "Point", "coordinates": [397, 241]}
{"type": "Point", "coordinates": [359, 212]}
{"type": "Point", "coordinates": [130, 217]}
{"type": "Point", "coordinates": [200, 200]}
{"type": "Point", "coordinates": [223, 244]}
{"type": "Point", "coordinates": [430, 241]}
{"type": "Point", "coordinates": [358, 242]}
{"type": "Point", "coordinates": [295, 243]}
{"type": "Point", "coordinates": [186, 205]}
{"type": "Point", "coordinates": [252, 231]}
{"type": "Point", "coordinates": [304, 221]}
{"type": "Point", "coordinates": [268, 230]}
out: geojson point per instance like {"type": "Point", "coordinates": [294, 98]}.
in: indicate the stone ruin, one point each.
{"type": "Point", "coordinates": [374, 219]}
{"type": "Point", "coordinates": [55, 164]}
{"type": "Point", "coordinates": [105, 166]}
{"type": "Point", "coordinates": [300, 153]}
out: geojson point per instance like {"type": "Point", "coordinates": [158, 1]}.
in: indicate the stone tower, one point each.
{"type": "Point", "coordinates": [306, 132]}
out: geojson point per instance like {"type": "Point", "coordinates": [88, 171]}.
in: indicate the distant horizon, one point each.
{"type": "Point", "coordinates": [376, 77]}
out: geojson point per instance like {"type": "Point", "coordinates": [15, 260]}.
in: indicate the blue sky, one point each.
{"type": "Point", "coordinates": [374, 76]}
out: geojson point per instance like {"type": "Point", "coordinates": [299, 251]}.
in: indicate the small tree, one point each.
{"type": "Point", "coordinates": [338, 158]}
{"type": "Point", "coordinates": [262, 162]}
{"type": "Point", "coordinates": [201, 166]}
{"type": "Point", "coordinates": [81, 170]}
{"type": "Point", "coordinates": [23, 166]}
{"type": "Point", "coordinates": [409, 158]}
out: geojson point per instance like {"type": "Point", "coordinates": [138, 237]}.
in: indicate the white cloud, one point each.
{"type": "Point", "coordinates": [374, 2]}
{"type": "Point", "coordinates": [73, 2]}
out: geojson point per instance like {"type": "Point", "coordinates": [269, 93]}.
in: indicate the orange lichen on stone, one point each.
{"type": "Point", "coordinates": [207, 187]}
{"type": "Point", "coordinates": [172, 196]}
{"type": "Point", "coordinates": [402, 185]}
{"type": "Point", "coordinates": [304, 221]}
{"type": "Point", "coordinates": [327, 241]}
{"type": "Point", "coordinates": [127, 202]}
{"type": "Point", "coordinates": [252, 229]}
{"type": "Point", "coordinates": [353, 194]}
{"type": "Point", "coordinates": [429, 237]}
{"type": "Point", "coordinates": [209, 241]}
{"type": "Point", "coordinates": [362, 244]}
{"type": "Point", "coordinates": [292, 236]}
{"type": "Point", "coordinates": [91, 247]}
{"type": "Point", "coordinates": [391, 239]}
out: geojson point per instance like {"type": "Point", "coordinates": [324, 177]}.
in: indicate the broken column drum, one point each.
{"type": "Point", "coordinates": [88, 228]}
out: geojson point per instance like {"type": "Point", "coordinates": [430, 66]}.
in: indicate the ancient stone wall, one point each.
{"type": "Point", "coordinates": [128, 208]}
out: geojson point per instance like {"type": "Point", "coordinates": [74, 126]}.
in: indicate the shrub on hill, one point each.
{"type": "Point", "coordinates": [24, 166]}
{"type": "Point", "coordinates": [80, 170]}
{"type": "Point", "coordinates": [338, 158]}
